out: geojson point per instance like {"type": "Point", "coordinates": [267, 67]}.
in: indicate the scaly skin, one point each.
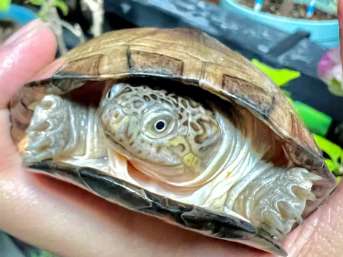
{"type": "Point", "coordinates": [61, 129]}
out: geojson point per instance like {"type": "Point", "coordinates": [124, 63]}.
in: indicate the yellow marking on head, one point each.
{"type": "Point", "coordinates": [179, 141]}
{"type": "Point", "coordinates": [189, 159]}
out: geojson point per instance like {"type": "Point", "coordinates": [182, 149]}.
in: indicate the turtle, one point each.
{"type": "Point", "coordinates": [173, 124]}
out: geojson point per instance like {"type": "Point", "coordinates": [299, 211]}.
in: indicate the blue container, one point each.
{"type": "Point", "coordinates": [18, 14]}
{"type": "Point", "coordinates": [323, 32]}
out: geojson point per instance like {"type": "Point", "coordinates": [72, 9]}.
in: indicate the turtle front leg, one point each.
{"type": "Point", "coordinates": [55, 130]}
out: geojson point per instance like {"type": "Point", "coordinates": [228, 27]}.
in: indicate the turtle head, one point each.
{"type": "Point", "coordinates": [162, 134]}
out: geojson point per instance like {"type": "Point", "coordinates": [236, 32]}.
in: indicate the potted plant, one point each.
{"type": "Point", "coordinates": [313, 16]}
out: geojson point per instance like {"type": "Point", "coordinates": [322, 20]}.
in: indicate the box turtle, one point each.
{"type": "Point", "coordinates": [172, 123]}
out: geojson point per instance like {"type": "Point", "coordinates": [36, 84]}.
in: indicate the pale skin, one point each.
{"type": "Point", "coordinates": [72, 222]}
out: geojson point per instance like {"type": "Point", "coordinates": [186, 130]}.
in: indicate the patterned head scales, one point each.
{"type": "Point", "coordinates": [168, 136]}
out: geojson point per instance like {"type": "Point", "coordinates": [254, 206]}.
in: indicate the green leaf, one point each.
{"type": "Point", "coordinates": [60, 4]}
{"type": "Point", "coordinates": [332, 166]}
{"type": "Point", "coordinates": [318, 122]}
{"type": "Point", "coordinates": [334, 152]}
{"type": "Point", "coordinates": [279, 76]}
{"type": "Point", "coordinates": [4, 5]}
{"type": "Point", "coordinates": [36, 2]}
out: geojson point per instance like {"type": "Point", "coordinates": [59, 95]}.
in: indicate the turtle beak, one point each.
{"type": "Point", "coordinates": [113, 119]}
{"type": "Point", "coordinates": [111, 113]}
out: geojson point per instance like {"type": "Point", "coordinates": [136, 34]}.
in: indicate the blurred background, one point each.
{"type": "Point", "coordinates": [294, 42]}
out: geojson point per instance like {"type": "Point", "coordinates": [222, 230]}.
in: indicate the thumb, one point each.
{"type": "Point", "coordinates": [22, 55]}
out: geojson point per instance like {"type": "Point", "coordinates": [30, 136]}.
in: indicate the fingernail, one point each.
{"type": "Point", "coordinates": [24, 33]}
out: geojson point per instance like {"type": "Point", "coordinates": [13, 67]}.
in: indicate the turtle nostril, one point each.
{"type": "Point", "coordinates": [116, 114]}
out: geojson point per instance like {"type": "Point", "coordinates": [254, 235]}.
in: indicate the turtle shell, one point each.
{"type": "Point", "coordinates": [194, 60]}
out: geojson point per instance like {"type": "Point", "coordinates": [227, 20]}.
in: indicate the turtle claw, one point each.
{"type": "Point", "coordinates": [40, 143]}
{"type": "Point", "coordinates": [49, 129]}
{"type": "Point", "coordinates": [31, 157]}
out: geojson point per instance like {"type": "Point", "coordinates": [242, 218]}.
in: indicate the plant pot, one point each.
{"type": "Point", "coordinates": [323, 32]}
{"type": "Point", "coordinates": [19, 14]}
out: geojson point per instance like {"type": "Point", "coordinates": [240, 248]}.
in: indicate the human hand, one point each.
{"type": "Point", "coordinates": [74, 223]}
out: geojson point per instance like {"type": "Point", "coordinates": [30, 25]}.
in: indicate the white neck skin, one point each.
{"type": "Point", "coordinates": [270, 197]}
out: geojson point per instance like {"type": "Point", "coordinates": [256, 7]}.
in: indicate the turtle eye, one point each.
{"type": "Point", "coordinates": [160, 125]}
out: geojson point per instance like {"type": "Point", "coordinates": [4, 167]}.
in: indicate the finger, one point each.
{"type": "Point", "coordinates": [322, 233]}
{"type": "Point", "coordinates": [23, 55]}
{"type": "Point", "coordinates": [77, 223]}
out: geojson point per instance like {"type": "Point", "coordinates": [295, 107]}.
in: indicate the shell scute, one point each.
{"type": "Point", "coordinates": [256, 97]}
{"type": "Point", "coordinates": [154, 63]}
{"type": "Point", "coordinates": [90, 63]}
